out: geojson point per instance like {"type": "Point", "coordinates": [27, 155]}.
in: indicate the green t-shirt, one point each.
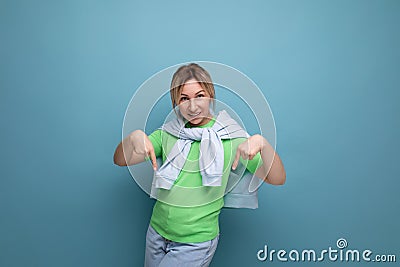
{"type": "Point", "coordinates": [198, 221]}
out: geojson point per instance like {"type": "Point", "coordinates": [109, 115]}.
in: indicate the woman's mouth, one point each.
{"type": "Point", "coordinates": [194, 115]}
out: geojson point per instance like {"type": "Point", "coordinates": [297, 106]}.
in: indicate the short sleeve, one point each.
{"type": "Point", "coordinates": [251, 165]}
{"type": "Point", "coordinates": [155, 139]}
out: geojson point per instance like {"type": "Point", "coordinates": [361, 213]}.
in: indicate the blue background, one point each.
{"type": "Point", "coordinates": [329, 69]}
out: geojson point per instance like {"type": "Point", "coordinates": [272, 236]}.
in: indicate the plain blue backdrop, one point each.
{"type": "Point", "coordinates": [329, 69]}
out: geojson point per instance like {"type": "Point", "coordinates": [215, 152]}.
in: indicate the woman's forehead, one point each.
{"type": "Point", "coordinates": [192, 88]}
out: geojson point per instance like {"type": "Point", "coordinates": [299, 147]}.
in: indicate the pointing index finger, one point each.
{"type": "Point", "coordinates": [236, 161]}
{"type": "Point", "coordinates": [153, 159]}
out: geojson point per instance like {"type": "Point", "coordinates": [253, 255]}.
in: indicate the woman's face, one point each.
{"type": "Point", "coordinates": [194, 103]}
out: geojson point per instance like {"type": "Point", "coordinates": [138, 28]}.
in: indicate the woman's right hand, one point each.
{"type": "Point", "coordinates": [140, 148]}
{"type": "Point", "coordinates": [135, 148]}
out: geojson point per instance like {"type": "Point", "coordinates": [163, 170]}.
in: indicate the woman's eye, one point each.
{"type": "Point", "coordinates": [200, 95]}
{"type": "Point", "coordinates": [184, 98]}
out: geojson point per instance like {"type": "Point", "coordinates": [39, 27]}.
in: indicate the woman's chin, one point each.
{"type": "Point", "coordinates": [194, 121]}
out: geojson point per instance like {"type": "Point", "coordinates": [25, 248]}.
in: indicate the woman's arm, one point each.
{"type": "Point", "coordinates": [272, 170]}
{"type": "Point", "coordinates": [136, 147]}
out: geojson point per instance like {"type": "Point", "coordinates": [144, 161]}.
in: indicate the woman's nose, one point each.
{"type": "Point", "coordinates": [192, 105]}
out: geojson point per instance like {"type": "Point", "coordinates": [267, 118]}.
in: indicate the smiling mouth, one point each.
{"type": "Point", "coordinates": [194, 115]}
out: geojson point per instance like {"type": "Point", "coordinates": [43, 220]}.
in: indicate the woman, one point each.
{"type": "Point", "coordinates": [187, 235]}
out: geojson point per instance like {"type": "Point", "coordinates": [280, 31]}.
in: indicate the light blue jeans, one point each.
{"type": "Point", "coordinates": [161, 252]}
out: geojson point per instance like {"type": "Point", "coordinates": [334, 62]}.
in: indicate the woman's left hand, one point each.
{"type": "Point", "coordinates": [249, 148]}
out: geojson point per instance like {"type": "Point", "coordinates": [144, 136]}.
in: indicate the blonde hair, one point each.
{"type": "Point", "coordinates": [186, 73]}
